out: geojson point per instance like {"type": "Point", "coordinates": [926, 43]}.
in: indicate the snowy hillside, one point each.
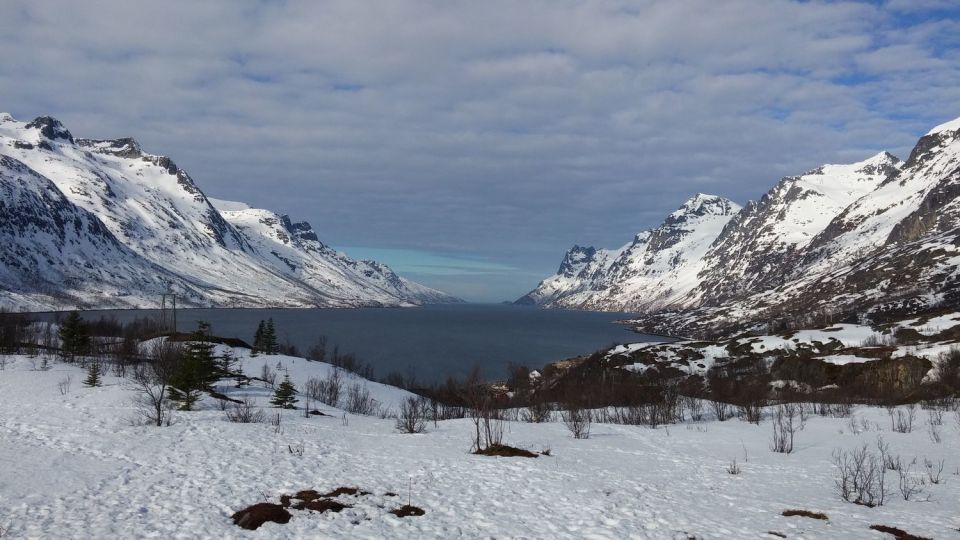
{"type": "Point", "coordinates": [74, 466]}
{"type": "Point", "coordinates": [147, 228]}
{"type": "Point", "coordinates": [876, 236]}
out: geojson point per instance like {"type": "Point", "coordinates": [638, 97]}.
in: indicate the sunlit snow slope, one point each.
{"type": "Point", "coordinates": [101, 223]}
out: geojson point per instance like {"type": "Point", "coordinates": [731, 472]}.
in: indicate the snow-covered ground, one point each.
{"type": "Point", "coordinates": [73, 466]}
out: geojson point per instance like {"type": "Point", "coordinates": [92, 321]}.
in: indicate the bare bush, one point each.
{"type": "Point", "coordinates": [901, 418]}
{"type": "Point", "coordinates": [694, 406]}
{"type": "Point", "coordinates": [268, 376]}
{"type": "Point", "coordinates": [64, 385]}
{"type": "Point", "coordinates": [537, 413]}
{"type": "Point", "coordinates": [359, 400]}
{"type": "Point", "coordinates": [786, 423]}
{"type": "Point", "coordinates": [933, 430]}
{"type": "Point", "coordinates": [412, 417]}
{"type": "Point", "coordinates": [578, 421]}
{"type": "Point", "coordinates": [910, 485]}
{"type": "Point", "coordinates": [861, 476]}
{"type": "Point", "coordinates": [721, 410]}
{"type": "Point", "coordinates": [733, 468]}
{"type": "Point", "coordinates": [934, 470]}
{"type": "Point", "coordinates": [327, 390]}
{"type": "Point", "coordinates": [151, 382]}
{"type": "Point", "coordinates": [244, 412]}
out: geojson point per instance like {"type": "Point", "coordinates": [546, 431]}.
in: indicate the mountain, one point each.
{"type": "Point", "coordinates": [656, 269]}
{"type": "Point", "coordinates": [102, 223]}
{"type": "Point", "coordinates": [868, 239]}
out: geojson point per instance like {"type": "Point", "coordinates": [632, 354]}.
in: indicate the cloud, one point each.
{"type": "Point", "coordinates": [496, 129]}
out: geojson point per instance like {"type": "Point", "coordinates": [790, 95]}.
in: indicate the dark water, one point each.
{"type": "Point", "coordinates": [435, 340]}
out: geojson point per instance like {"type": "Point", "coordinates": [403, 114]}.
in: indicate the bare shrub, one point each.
{"type": "Point", "coordinates": [296, 449]}
{"type": "Point", "coordinates": [327, 390]}
{"type": "Point", "coordinates": [537, 413]}
{"type": "Point", "coordinates": [412, 417]}
{"type": "Point", "coordinates": [933, 429]}
{"type": "Point", "coordinates": [786, 423]}
{"type": "Point", "coordinates": [578, 421]}
{"type": "Point", "coordinates": [721, 410]}
{"type": "Point", "coordinates": [934, 470]}
{"type": "Point", "coordinates": [244, 412]}
{"type": "Point", "coordinates": [901, 418]}
{"type": "Point", "coordinates": [151, 382]}
{"type": "Point", "coordinates": [694, 406]}
{"type": "Point", "coordinates": [910, 485]}
{"type": "Point", "coordinates": [64, 385]}
{"type": "Point", "coordinates": [861, 476]}
{"type": "Point", "coordinates": [733, 468]}
{"type": "Point", "coordinates": [359, 400]}
{"type": "Point", "coordinates": [268, 376]}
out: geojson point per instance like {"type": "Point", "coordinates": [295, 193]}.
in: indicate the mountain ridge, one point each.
{"type": "Point", "coordinates": [851, 240]}
{"type": "Point", "coordinates": [155, 231]}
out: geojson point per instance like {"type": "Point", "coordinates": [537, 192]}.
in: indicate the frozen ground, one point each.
{"type": "Point", "coordinates": [72, 466]}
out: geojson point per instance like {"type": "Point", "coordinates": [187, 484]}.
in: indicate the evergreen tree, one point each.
{"type": "Point", "coordinates": [258, 340]}
{"type": "Point", "coordinates": [94, 375]}
{"type": "Point", "coordinates": [74, 338]}
{"type": "Point", "coordinates": [270, 338]}
{"type": "Point", "coordinates": [226, 362]}
{"type": "Point", "coordinates": [285, 395]}
{"type": "Point", "coordinates": [196, 372]}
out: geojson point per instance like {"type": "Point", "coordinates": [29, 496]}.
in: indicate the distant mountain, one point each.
{"type": "Point", "coordinates": [101, 223]}
{"type": "Point", "coordinates": [658, 268]}
{"type": "Point", "coordinates": [870, 238]}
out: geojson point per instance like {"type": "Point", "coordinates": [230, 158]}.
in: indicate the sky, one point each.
{"type": "Point", "coordinates": [469, 144]}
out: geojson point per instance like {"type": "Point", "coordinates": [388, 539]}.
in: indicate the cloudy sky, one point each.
{"type": "Point", "coordinates": [469, 144]}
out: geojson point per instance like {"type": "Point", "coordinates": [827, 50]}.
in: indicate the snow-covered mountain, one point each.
{"type": "Point", "coordinates": [875, 236]}
{"type": "Point", "coordinates": [656, 269]}
{"type": "Point", "coordinates": [101, 223]}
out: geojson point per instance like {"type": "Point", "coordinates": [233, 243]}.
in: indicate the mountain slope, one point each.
{"type": "Point", "coordinates": [654, 270]}
{"type": "Point", "coordinates": [873, 238]}
{"type": "Point", "coordinates": [169, 230]}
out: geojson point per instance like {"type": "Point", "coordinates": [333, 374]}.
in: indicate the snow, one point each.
{"type": "Point", "coordinates": [952, 125]}
{"type": "Point", "coordinates": [159, 233]}
{"type": "Point", "coordinates": [74, 467]}
{"type": "Point", "coordinates": [228, 206]}
{"type": "Point", "coordinates": [844, 359]}
{"type": "Point", "coordinates": [933, 325]}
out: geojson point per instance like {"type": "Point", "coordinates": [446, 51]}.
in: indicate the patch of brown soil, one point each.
{"type": "Point", "coordinates": [805, 513]}
{"type": "Point", "coordinates": [254, 516]}
{"type": "Point", "coordinates": [321, 505]}
{"type": "Point", "coordinates": [899, 534]}
{"type": "Point", "coordinates": [407, 511]}
{"type": "Point", "coordinates": [503, 450]}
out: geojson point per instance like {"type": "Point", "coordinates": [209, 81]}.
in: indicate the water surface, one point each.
{"type": "Point", "coordinates": [436, 340]}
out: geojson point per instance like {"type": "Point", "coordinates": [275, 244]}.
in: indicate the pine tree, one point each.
{"type": "Point", "coordinates": [270, 338]}
{"type": "Point", "coordinates": [196, 372]}
{"type": "Point", "coordinates": [258, 340]}
{"type": "Point", "coordinates": [285, 395]}
{"type": "Point", "coordinates": [74, 339]}
{"type": "Point", "coordinates": [226, 362]}
{"type": "Point", "coordinates": [94, 375]}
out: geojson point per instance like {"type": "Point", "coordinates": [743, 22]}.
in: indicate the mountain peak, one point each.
{"type": "Point", "coordinates": [952, 125]}
{"type": "Point", "coordinates": [703, 204]}
{"type": "Point", "coordinates": [123, 147]}
{"type": "Point", "coordinates": [50, 128]}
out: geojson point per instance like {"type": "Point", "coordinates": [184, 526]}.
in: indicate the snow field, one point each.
{"type": "Point", "coordinates": [74, 467]}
